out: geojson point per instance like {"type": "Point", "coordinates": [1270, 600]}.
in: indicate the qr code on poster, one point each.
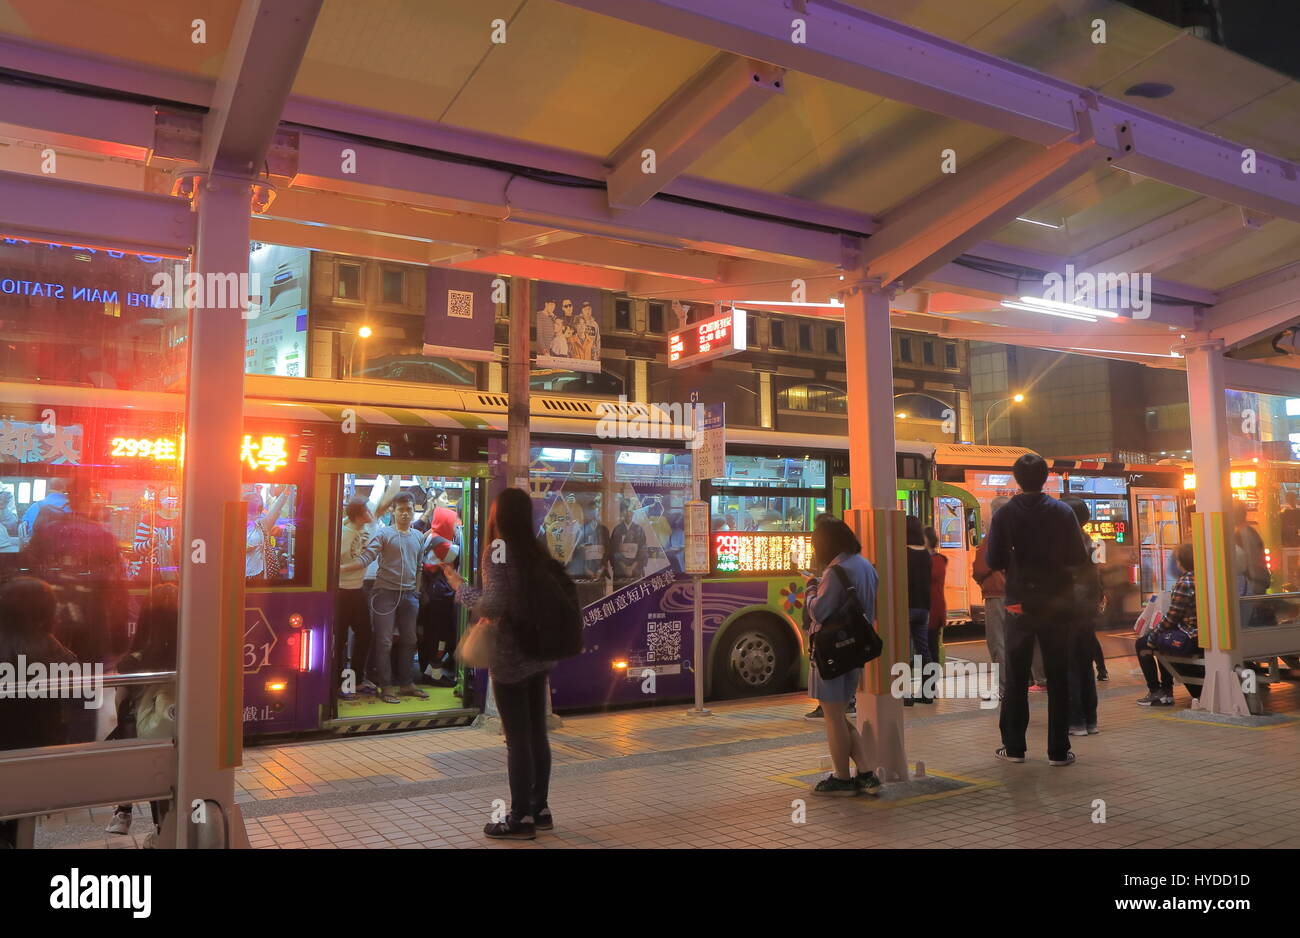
{"type": "Point", "coordinates": [663, 641]}
{"type": "Point", "coordinates": [460, 304]}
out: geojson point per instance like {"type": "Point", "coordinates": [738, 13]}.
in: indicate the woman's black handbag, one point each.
{"type": "Point", "coordinates": [847, 639]}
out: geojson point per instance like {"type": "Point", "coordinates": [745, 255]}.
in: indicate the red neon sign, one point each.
{"type": "Point", "coordinates": [704, 341]}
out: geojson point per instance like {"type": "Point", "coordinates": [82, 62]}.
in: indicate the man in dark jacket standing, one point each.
{"type": "Point", "coordinates": [1036, 539]}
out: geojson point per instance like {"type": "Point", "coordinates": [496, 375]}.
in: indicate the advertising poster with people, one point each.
{"type": "Point", "coordinates": [568, 327]}
{"type": "Point", "coordinates": [275, 340]}
{"type": "Point", "coordinates": [459, 315]}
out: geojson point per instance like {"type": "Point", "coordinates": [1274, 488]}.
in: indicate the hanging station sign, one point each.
{"type": "Point", "coordinates": [704, 341]}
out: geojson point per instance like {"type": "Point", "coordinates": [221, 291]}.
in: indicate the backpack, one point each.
{"type": "Point", "coordinates": [847, 639]}
{"type": "Point", "coordinates": [551, 629]}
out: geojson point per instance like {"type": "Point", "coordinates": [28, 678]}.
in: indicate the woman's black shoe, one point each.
{"type": "Point", "coordinates": [510, 829]}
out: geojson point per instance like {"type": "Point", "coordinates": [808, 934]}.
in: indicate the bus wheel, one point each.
{"type": "Point", "coordinates": [755, 658]}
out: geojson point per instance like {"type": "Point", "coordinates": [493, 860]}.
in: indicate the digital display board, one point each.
{"type": "Point", "coordinates": [1116, 531]}
{"type": "Point", "coordinates": [761, 552]}
{"type": "Point", "coordinates": [709, 339]}
{"type": "Point", "coordinates": [266, 452]}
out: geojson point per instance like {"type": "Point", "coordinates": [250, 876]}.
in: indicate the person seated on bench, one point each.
{"type": "Point", "coordinates": [1181, 615]}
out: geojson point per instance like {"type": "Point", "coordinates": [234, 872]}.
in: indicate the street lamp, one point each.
{"type": "Point", "coordinates": [364, 332]}
{"type": "Point", "coordinates": [901, 415]}
{"type": "Point", "coordinates": [1014, 399]}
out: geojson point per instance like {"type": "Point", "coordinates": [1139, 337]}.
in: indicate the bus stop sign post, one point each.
{"type": "Point", "coordinates": [709, 462]}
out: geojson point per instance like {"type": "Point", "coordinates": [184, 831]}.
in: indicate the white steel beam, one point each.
{"type": "Point", "coordinates": [45, 209]}
{"type": "Point", "coordinates": [450, 185]}
{"type": "Point", "coordinates": [964, 208]}
{"type": "Point", "coordinates": [1196, 229]}
{"type": "Point", "coordinates": [1244, 315]}
{"type": "Point", "coordinates": [266, 47]}
{"type": "Point", "coordinates": [852, 47]}
{"type": "Point", "coordinates": [700, 114]}
{"type": "Point", "coordinates": [121, 129]}
{"type": "Point", "coordinates": [1280, 377]}
{"type": "Point", "coordinates": [841, 43]}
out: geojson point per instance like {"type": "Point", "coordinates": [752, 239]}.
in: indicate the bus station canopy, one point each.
{"type": "Point", "coordinates": [958, 152]}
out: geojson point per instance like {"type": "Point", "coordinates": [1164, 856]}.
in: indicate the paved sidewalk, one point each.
{"type": "Point", "coordinates": [659, 778]}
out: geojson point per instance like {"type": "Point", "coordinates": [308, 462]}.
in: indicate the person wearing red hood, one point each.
{"type": "Point", "coordinates": [437, 621]}
{"type": "Point", "coordinates": [1037, 540]}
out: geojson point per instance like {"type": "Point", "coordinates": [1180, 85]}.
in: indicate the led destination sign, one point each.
{"type": "Point", "coordinates": [704, 341]}
{"type": "Point", "coordinates": [761, 552]}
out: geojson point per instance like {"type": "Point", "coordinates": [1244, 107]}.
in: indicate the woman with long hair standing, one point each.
{"type": "Point", "coordinates": [511, 551]}
{"type": "Point", "coordinates": [836, 547]}
{"type": "Point", "coordinates": [938, 601]}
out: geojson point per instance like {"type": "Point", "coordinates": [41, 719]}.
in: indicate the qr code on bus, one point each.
{"type": "Point", "coordinates": [460, 304]}
{"type": "Point", "coordinates": [663, 641]}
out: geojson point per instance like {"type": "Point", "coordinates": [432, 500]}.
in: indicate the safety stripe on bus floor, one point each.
{"type": "Point", "coordinates": [378, 726]}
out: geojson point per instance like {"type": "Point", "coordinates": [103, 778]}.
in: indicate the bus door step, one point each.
{"type": "Point", "coordinates": [353, 726]}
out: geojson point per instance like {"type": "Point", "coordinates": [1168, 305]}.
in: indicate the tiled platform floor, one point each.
{"type": "Point", "coordinates": [659, 778]}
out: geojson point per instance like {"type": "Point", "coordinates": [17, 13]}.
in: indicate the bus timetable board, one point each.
{"type": "Point", "coordinates": [761, 552]}
{"type": "Point", "coordinates": [709, 339]}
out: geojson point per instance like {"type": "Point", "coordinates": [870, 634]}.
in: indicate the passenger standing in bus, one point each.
{"type": "Point", "coordinates": [394, 606]}
{"type": "Point", "coordinates": [1083, 631]}
{"type": "Point", "coordinates": [437, 622]}
{"type": "Point", "coordinates": [352, 609]}
{"type": "Point", "coordinates": [938, 601]}
{"type": "Point", "coordinates": [519, 682]}
{"type": "Point", "coordinates": [993, 584]}
{"type": "Point", "coordinates": [261, 562]}
{"type": "Point", "coordinates": [79, 556]}
{"type": "Point", "coordinates": [56, 500]}
{"type": "Point", "coordinates": [9, 539]}
{"type": "Point", "coordinates": [1036, 539]}
{"type": "Point", "coordinates": [835, 545]}
{"type": "Point", "coordinates": [920, 570]}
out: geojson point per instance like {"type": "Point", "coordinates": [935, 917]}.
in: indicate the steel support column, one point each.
{"type": "Point", "coordinates": [210, 682]}
{"type": "Point", "coordinates": [1216, 599]}
{"type": "Point", "coordinates": [869, 362]}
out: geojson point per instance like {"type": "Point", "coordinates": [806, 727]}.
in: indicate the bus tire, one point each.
{"type": "Point", "coordinates": [756, 656]}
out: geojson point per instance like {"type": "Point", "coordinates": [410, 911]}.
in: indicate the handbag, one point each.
{"type": "Point", "coordinates": [847, 639]}
{"type": "Point", "coordinates": [1172, 641]}
{"type": "Point", "coordinates": [475, 649]}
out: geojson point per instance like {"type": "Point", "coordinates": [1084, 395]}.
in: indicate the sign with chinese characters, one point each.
{"type": "Point", "coordinates": [162, 449]}
{"type": "Point", "coordinates": [710, 456]}
{"type": "Point", "coordinates": [1116, 531]}
{"type": "Point", "coordinates": [704, 341]}
{"type": "Point", "coordinates": [761, 552]}
{"type": "Point", "coordinates": [268, 453]}
{"type": "Point", "coordinates": [696, 560]}
{"type": "Point", "coordinates": [55, 444]}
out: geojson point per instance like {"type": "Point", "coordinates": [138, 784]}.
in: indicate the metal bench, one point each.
{"type": "Point", "coordinates": [1268, 636]}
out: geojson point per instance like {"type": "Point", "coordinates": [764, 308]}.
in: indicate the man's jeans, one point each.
{"type": "Point", "coordinates": [393, 611]}
{"type": "Point", "coordinates": [1083, 682]}
{"type": "Point", "coordinates": [1052, 634]}
{"type": "Point", "coordinates": [995, 634]}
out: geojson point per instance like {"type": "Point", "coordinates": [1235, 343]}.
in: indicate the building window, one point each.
{"type": "Point", "coordinates": [394, 286]}
{"type": "Point", "coordinates": [832, 341]}
{"type": "Point", "coordinates": [904, 349]}
{"type": "Point", "coordinates": [805, 337]}
{"type": "Point", "coordinates": [777, 335]}
{"type": "Point", "coordinates": [813, 398]}
{"type": "Point", "coordinates": [655, 318]}
{"type": "Point", "coordinates": [950, 355]}
{"type": "Point", "coordinates": [623, 315]}
{"type": "Point", "coordinates": [927, 353]}
{"type": "Point", "coordinates": [349, 282]}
